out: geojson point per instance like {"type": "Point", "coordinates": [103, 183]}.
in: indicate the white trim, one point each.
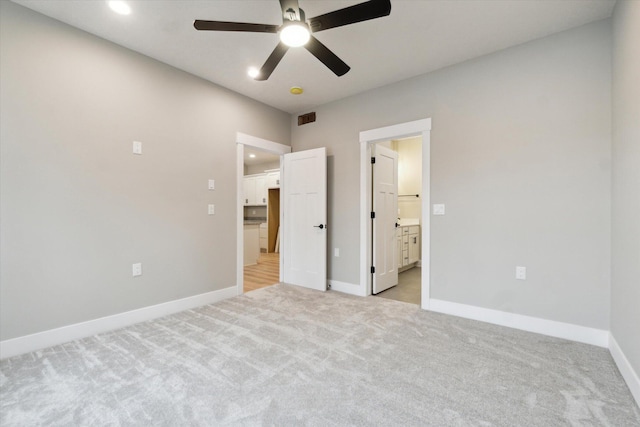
{"type": "Point", "coordinates": [425, 223]}
{"type": "Point", "coordinates": [416, 128]}
{"type": "Point", "coordinates": [630, 376]}
{"type": "Point", "coordinates": [263, 144]}
{"type": "Point", "coordinates": [402, 130]}
{"type": "Point", "coordinates": [29, 343]}
{"type": "Point", "coordinates": [347, 288]}
{"type": "Point", "coordinates": [365, 234]}
{"type": "Point", "coordinates": [569, 331]}
{"type": "Point", "coordinates": [278, 149]}
{"type": "Point", "coordinates": [239, 218]}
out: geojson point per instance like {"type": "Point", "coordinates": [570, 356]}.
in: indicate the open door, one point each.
{"type": "Point", "coordinates": [305, 219]}
{"type": "Point", "coordinates": [385, 206]}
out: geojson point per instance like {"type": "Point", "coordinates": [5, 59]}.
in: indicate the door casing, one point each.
{"type": "Point", "coordinates": [403, 130]}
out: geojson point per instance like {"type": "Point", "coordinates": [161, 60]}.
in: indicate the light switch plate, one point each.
{"type": "Point", "coordinates": [438, 209]}
{"type": "Point", "coordinates": [336, 252]}
{"type": "Point", "coordinates": [136, 269]}
{"type": "Point", "coordinates": [211, 209]}
{"type": "Point", "coordinates": [137, 147]}
{"type": "Point", "coordinates": [521, 273]}
{"type": "Point", "coordinates": [212, 184]}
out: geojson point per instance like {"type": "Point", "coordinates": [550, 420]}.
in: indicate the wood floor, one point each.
{"type": "Point", "coordinates": [265, 273]}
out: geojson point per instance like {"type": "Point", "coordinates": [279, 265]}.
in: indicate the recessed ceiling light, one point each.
{"type": "Point", "coordinates": [253, 72]}
{"type": "Point", "coordinates": [119, 6]}
{"type": "Point", "coordinates": [296, 90]}
{"type": "Point", "coordinates": [252, 156]}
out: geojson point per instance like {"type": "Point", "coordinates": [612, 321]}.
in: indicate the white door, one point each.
{"type": "Point", "coordinates": [385, 207]}
{"type": "Point", "coordinates": [305, 219]}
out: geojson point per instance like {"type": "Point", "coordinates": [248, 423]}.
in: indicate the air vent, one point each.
{"type": "Point", "coordinates": [306, 118]}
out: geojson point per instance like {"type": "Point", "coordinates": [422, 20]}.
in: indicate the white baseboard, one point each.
{"type": "Point", "coordinates": [347, 288]}
{"type": "Point", "coordinates": [628, 373]}
{"type": "Point", "coordinates": [583, 334]}
{"type": "Point", "coordinates": [29, 343]}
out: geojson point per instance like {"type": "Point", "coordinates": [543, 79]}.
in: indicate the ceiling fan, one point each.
{"type": "Point", "coordinates": [296, 31]}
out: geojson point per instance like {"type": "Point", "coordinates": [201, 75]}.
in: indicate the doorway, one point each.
{"type": "Point", "coordinates": [402, 222]}
{"type": "Point", "coordinates": [367, 138]}
{"type": "Point", "coordinates": [262, 268]}
{"type": "Point", "coordinates": [261, 182]}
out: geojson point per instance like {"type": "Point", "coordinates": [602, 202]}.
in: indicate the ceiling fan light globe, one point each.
{"type": "Point", "coordinates": [295, 34]}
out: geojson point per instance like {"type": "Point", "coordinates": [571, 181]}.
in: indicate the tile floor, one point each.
{"type": "Point", "coordinates": [408, 287]}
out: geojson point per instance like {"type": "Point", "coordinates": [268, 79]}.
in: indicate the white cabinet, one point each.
{"type": "Point", "coordinates": [263, 237]}
{"type": "Point", "coordinates": [273, 178]}
{"type": "Point", "coordinates": [414, 244]}
{"type": "Point", "coordinates": [249, 184]}
{"type": "Point", "coordinates": [405, 246]}
{"type": "Point", "coordinates": [261, 190]}
{"type": "Point", "coordinates": [255, 190]}
{"type": "Point", "coordinates": [256, 187]}
{"type": "Point", "coordinates": [408, 240]}
{"type": "Point", "coordinates": [399, 251]}
{"type": "Point", "coordinates": [251, 244]}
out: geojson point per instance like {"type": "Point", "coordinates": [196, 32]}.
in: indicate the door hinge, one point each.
{"type": "Point", "coordinates": [373, 270]}
{"type": "Point", "coordinates": [373, 160]}
{"type": "Point", "coordinates": [373, 215]}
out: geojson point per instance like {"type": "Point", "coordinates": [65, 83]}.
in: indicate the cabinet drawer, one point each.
{"type": "Point", "coordinates": [414, 229]}
{"type": "Point", "coordinates": [405, 230]}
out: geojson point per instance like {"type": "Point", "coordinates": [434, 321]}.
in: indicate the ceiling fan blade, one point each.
{"type": "Point", "coordinates": [272, 61]}
{"type": "Point", "coordinates": [290, 4]}
{"type": "Point", "coordinates": [234, 26]}
{"type": "Point", "coordinates": [327, 57]}
{"type": "Point", "coordinates": [349, 15]}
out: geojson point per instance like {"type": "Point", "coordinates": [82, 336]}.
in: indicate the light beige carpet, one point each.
{"type": "Point", "coordinates": [289, 356]}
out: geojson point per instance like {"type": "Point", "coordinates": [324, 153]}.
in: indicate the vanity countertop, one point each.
{"type": "Point", "coordinates": [254, 221]}
{"type": "Point", "coordinates": [405, 222]}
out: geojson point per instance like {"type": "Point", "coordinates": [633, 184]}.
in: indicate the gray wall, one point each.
{"type": "Point", "coordinates": [78, 208]}
{"type": "Point", "coordinates": [253, 169]}
{"type": "Point", "coordinates": [521, 154]}
{"type": "Point", "coordinates": [625, 284]}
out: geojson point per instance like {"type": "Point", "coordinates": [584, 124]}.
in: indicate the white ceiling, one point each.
{"type": "Point", "coordinates": [259, 157]}
{"type": "Point", "coordinates": [419, 36]}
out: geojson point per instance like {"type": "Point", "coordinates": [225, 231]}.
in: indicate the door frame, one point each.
{"type": "Point", "coordinates": [403, 130]}
{"type": "Point", "coordinates": [278, 149]}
